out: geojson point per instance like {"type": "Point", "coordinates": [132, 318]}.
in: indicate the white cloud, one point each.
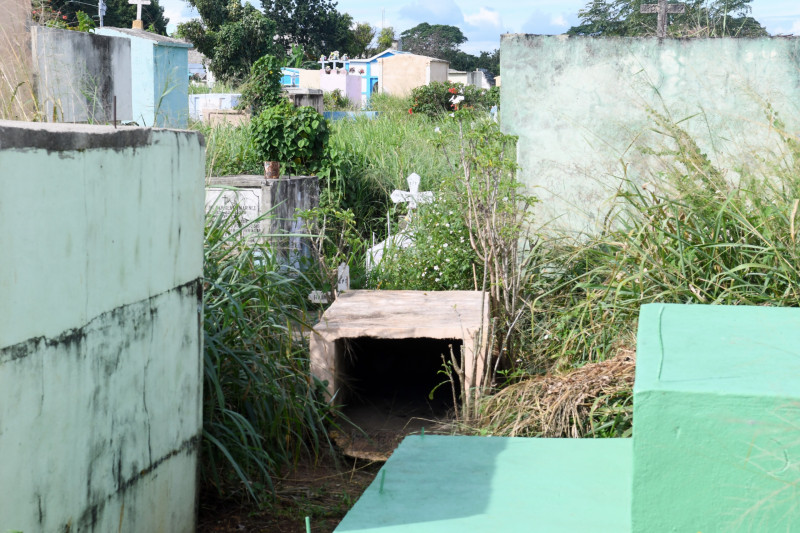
{"type": "Point", "coordinates": [559, 20]}
{"type": "Point", "coordinates": [484, 17]}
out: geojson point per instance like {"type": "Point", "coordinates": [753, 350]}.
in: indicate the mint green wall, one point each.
{"type": "Point", "coordinates": [100, 344]}
{"type": "Point", "coordinates": [580, 106]}
{"type": "Point", "coordinates": [716, 440]}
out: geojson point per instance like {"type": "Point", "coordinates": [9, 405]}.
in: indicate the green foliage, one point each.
{"type": "Point", "coordinates": [263, 87]}
{"type": "Point", "coordinates": [313, 24]}
{"type": "Point", "coordinates": [440, 257]}
{"type": "Point", "coordinates": [385, 39]}
{"type": "Point", "coordinates": [336, 101]}
{"type": "Point", "coordinates": [233, 36]}
{"type": "Point", "coordinates": [438, 97]}
{"type": "Point", "coordinates": [295, 136]}
{"type": "Point", "coordinates": [437, 40]}
{"type": "Point", "coordinates": [363, 34]}
{"type": "Point", "coordinates": [119, 14]}
{"type": "Point", "coordinates": [229, 151]}
{"type": "Point", "coordinates": [261, 410]}
{"type": "Point", "coordinates": [703, 18]}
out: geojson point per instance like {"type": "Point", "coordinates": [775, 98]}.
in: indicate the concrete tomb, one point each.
{"type": "Point", "coordinates": [101, 365]}
{"type": "Point", "coordinates": [253, 196]}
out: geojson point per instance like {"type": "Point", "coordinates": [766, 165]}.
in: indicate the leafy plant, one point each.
{"type": "Point", "coordinates": [438, 98]}
{"type": "Point", "coordinates": [261, 408]}
{"type": "Point", "coordinates": [263, 88]}
{"type": "Point", "coordinates": [295, 136]}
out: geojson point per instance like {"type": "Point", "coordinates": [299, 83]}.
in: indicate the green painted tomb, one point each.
{"type": "Point", "coordinates": [451, 484]}
{"type": "Point", "coordinates": [716, 435]}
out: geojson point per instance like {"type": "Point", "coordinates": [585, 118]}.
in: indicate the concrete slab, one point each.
{"type": "Point", "coordinates": [716, 410]}
{"type": "Point", "coordinates": [398, 315]}
{"type": "Point", "coordinates": [459, 484]}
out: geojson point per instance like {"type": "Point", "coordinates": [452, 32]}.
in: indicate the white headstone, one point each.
{"type": "Point", "coordinates": [343, 283]}
{"type": "Point", "coordinates": [413, 196]}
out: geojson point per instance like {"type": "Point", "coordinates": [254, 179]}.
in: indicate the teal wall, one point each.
{"type": "Point", "coordinates": [580, 108]}
{"type": "Point", "coordinates": [101, 341]}
{"type": "Point", "coordinates": [160, 78]}
{"type": "Point", "coordinates": [716, 422]}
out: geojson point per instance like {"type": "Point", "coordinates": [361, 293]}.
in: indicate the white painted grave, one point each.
{"type": "Point", "coordinates": [403, 239]}
{"type": "Point", "coordinates": [343, 278]}
{"type": "Point", "coordinates": [246, 201]}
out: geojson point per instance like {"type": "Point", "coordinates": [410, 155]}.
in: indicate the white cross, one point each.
{"type": "Point", "coordinates": [139, 4]}
{"type": "Point", "coordinates": [413, 196]}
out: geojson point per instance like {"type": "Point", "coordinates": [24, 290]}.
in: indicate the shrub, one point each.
{"type": "Point", "coordinates": [263, 88]}
{"type": "Point", "coordinates": [437, 98]}
{"type": "Point", "coordinates": [295, 136]}
{"type": "Point", "coordinates": [336, 101]}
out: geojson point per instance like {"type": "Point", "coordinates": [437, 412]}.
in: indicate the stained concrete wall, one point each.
{"type": "Point", "coordinates": [78, 75]}
{"type": "Point", "coordinates": [580, 106]}
{"type": "Point", "coordinates": [101, 338]}
{"type": "Point", "coordinates": [160, 89]}
{"type": "Point", "coordinates": [255, 196]}
{"type": "Point", "coordinates": [17, 92]}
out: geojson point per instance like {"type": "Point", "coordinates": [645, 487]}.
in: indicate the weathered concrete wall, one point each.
{"type": "Point", "coordinates": [256, 196]}
{"type": "Point", "coordinates": [100, 343]}
{"type": "Point", "coordinates": [17, 93]}
{"type": "Point", "coordinates": [160, 89]}
{"type": "Point", "coordinates": [580, 107]}
{"type": "Point", "coordinates": [300, 96]}
{"type": "Point", "coordinates": [78, 75]}
{"type": "Point", "coordinates": [401, 73]}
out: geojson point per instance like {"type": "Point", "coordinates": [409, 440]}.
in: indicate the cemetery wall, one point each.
{"type": "Point", "coordinates": [580, 107]}
{"type": "Point", "coordinates": [100, 344]}
{"type": "Point", "coordinates": [78, 75]}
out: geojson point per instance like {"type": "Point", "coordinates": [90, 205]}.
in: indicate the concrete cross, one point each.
{"type": "Point", "coordinates": [413, 196]}
{"type": "Point", "coordinates": [139, 4]}
{"type": "Point", "coordinates": [663, 9]}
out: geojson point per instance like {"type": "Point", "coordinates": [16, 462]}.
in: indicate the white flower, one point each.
{"type": "Point", "coordinates": [436, 267]}
{"type": "Point", "coordinates": [445, 245]}
{"type": "Point", "coordinates": [447, 225]}
{"type": "Point", "coordinates": [437, 279]}
{"type": "Point", "coordinates": [437, 130]}
{"type": "Point", "coordinates": [452, 115]}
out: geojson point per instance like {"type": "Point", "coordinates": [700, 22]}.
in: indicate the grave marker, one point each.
{"type": "Point", "coordinates": [138, 24]}
{"type": "Point", "coordinates": [343, 278]}
{"type": "Point", "coordinates": [663, 9]}
{"type": "Point", "coordinates": [413, 196]}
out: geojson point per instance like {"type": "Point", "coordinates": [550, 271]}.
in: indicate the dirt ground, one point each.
{"type": "Point", "coordinates": [323, 491]}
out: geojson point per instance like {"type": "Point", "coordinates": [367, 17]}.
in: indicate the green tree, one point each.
{"type": "Point", "coordinates": [119, 13]}
{"type": "Point", "coordinates": [313, 24]}
{"type": "Point", "coordinates": [363, 34]}
{"type": "Point", "coordinates": [232, 36]}
{"type": "Point", "coordinates": [385, 39]}
{"type": "Point", "coordinates": [703, 18]}
{"type": "Point", "coordinates": [438, 40]}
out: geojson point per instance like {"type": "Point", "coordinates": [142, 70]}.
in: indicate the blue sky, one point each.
{"type": "Point", "coordinates": [482, 21]}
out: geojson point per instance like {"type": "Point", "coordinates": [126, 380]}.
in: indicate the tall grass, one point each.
{"type": "Point", "coordinates": [262, 410]}
{"type": "Point", "coordinates": [696, 233]}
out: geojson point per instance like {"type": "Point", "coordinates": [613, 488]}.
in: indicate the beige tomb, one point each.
{"type": "Point", "coordinates": [457, 315]}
